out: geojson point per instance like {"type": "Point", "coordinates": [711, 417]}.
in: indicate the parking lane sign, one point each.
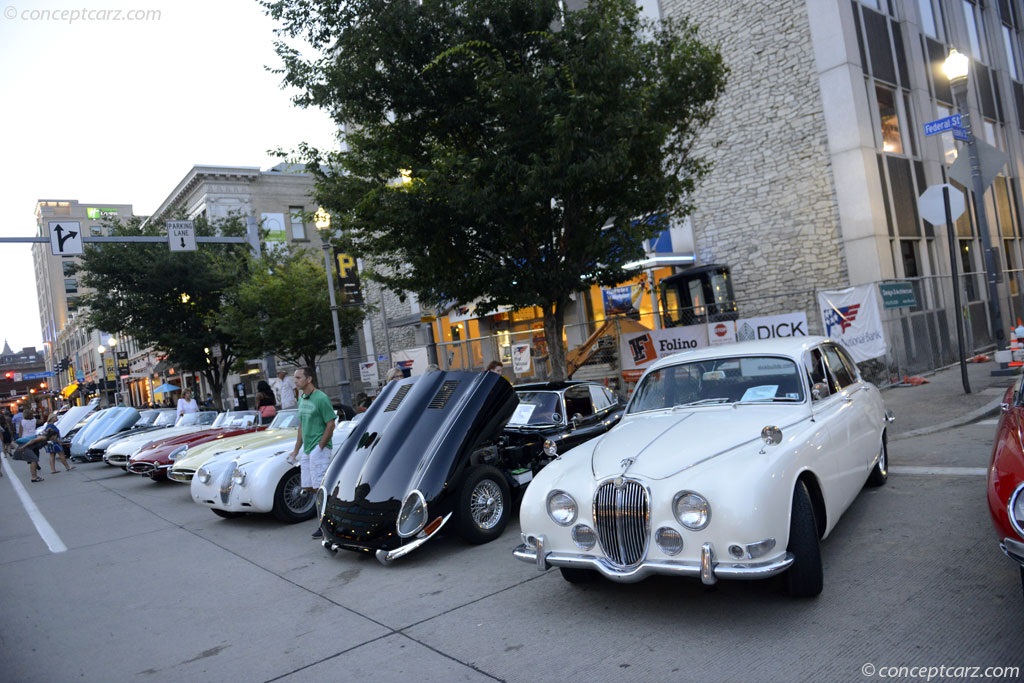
{"type": "Point", "coordinates": [181, 235]}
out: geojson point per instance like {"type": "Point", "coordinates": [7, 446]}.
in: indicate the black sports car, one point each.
{"type": "Point", "coordinates": [431, 450]}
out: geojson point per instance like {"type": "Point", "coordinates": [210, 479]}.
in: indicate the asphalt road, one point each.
{"type": "Point", "coordinates": [154, 588]}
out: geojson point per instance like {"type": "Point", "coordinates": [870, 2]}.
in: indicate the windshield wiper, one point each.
{"type": "Point", "coordinates": [702, 402]}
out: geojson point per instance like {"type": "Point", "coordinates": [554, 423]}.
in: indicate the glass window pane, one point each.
{"type": "Point", "coordinates": [1011, 54]}
{"type": "Point", "coordinates": [889, 118]}
{"type": "Point", "coordinates": [298, 228]}
{"type": "Point", "coordinates": [927, 18]}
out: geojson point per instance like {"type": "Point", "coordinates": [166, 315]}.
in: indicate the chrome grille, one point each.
{"type": "Point", "coordinates": [622, 517]}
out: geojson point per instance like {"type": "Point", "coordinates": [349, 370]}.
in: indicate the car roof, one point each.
{"type": "Point", "coordinates": [792, 347]}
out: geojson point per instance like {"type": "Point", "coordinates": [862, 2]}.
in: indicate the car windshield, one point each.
{"type": "Point", "coordinates": [205, 417]}
{"type": "Point", "coordinates": [763, 379]}
{"type": "Point", "coordinates": [237, 418]}
{"type": "Point", "coordinates": [286, 419]}
{"type": "Point", "coordinates": [147, 417]}
{"type": "Point", "coordinates": [537, 408]}
{"type": "Point", "coordinates": [164, 418]}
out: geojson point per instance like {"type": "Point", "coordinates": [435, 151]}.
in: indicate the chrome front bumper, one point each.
{"type": "Point", "coordinates": [386, 557]}
{"type": "Point", "coordinates": [1014, 550]}
{"type": "Point", "coordinates": [709, 570]}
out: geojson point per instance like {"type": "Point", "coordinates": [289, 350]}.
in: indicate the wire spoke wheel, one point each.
{"type": "Point", "coordinates": [487, 504]}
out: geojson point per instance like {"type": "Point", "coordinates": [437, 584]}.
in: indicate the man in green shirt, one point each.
{"type": "Point", "coordinates": [316, 425]}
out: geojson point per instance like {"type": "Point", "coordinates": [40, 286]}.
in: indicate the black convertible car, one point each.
{"type": "Point", "coordinates": [447, 448]}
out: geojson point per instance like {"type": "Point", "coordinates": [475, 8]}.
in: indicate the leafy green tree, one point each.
{"type": "Point", "coordinates": [283, 308]}
{"type": "Point", "coordinates": [170, 300]}
{"type": "Point", "coordinates": [498, 149]}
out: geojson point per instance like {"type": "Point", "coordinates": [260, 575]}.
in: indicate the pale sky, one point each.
{"type": "Point", "coordinates": [112, 111]}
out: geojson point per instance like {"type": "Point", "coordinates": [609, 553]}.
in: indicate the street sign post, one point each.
{"type": "Point", "coordinates": [181, 235]}
{"type": "Point", "coordinates": [932, 206]}
{"type": "Point", "coordinates": [66, 238]}
{"type": "Point", "coordinates": [942, 125]}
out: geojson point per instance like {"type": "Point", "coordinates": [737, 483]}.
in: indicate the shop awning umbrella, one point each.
{"type": "Point", "coordinates": [166, 389]}
{"type": "Point", "coordinates": [68, 390]}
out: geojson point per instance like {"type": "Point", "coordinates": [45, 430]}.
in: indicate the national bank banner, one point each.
{"type": "Point", "coordinates": [637, 350]}
{"type": "Point", "coordinates": [851, 317]}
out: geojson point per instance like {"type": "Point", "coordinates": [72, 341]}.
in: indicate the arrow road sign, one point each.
{"type": "Point", "coordinates": [65, 238]}
{"type": "Point", "coordinates": [181, 235]}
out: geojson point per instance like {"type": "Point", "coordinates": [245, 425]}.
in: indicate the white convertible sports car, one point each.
{"type": "Point", "coordinates": [731, 462]}
{"type": "Point", "coordinates": [259, 479]}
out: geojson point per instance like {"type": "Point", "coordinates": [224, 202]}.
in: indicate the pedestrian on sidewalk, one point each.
{"type": "Point", "coordinates": [29, 451]}
{"type": "Point", "coordinates": [53, 445]}
{"type": "Point", "coordinates": [313, 442]}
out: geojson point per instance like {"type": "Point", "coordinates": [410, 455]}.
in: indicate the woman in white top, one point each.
{"type": "Point", "coordinates": [187, 404]}
{"type": "Point", "coordinates": [27, 426]}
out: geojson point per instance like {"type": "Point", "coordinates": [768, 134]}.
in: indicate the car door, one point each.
{"type": "Point", "coordinates": [829, 407]}
{"type": "Point", "coordinates": [862, 435]}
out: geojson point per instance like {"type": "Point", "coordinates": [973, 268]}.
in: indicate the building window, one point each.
{"type": "Point", "coordinates": [889, 117]}
{"type": "Point", "coordinates": [975, 35]}
{"type": "Point", "coordinates": [298, 227]}
{"type": "Point", "coordinates": [70, 285]}
{"type": "Point", "coordinates": [928, 13]}
{"type": "Point", "coordinates": [909, 257]}
{"type": "Point", "coordinates": [68, 267]}
{"type": "Point", "coordinates": [1011, 53]}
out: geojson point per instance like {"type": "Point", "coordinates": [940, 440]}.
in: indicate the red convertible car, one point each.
{"type": "Point", "coordinates": [153, 462]}
{"type": "Point", "coordinates": [1006, 477]}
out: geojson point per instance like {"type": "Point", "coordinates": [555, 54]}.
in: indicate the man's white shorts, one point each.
{"type": "Point", "coordinates": [313, 465]}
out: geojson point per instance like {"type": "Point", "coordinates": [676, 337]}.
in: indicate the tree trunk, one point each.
{"type": "Point", "coordinates": [554, 322]}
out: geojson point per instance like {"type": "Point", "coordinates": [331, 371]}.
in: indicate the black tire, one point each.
{"type": "Point", "coordinates": [575, 575]}
{"type": "Point", "coordinates": [291, 504]}
{"type": "Point", "coordinates": [483, 506]}
{"type": "Point", "coordinates": [880, 473]}
{"type": "Point", "coordinates": [226, 514]}
{"type": "Point", "coordinates": [804, 578]}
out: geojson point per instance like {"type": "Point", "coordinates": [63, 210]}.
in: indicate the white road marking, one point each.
{"type": "Point", "coordinates": [949, 471]}
{"type": "Point", "coordinates": [46, 532]}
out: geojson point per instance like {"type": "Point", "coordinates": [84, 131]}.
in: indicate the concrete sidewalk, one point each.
{"type": "Point", "coordinates": [942, 403]}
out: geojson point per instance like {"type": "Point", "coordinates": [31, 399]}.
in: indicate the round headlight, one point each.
{"type": "Point", "coordinates": [550, 449]}
{"type": "Point", "coordinates": [178, 452]}
{"type": "Point", "coordinates": [413, 515]}
{"type": "Point", "coordinates": [203, 475]}
{"type": "Point", "coordinates": [561, 508]}
{"type": "Point", "coordinates": [669, 540]}
{"type": "Point", "coordinates": [238, 477]}
{"type": "Point", "coordinates": [692, 510]}
{"type": "Point", "coordinates": [1016, 510]}
{"type": "Point", "coordinates": [584, 536]}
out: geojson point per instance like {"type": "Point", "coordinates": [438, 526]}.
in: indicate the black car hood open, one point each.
{"type": "Point", "coordinates": [418, 434]}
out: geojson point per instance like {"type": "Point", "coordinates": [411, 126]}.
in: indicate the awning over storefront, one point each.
{"type": "Point", "coordinates": [68, 390]}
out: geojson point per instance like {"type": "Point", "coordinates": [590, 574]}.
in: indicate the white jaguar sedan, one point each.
{"type": "Point", "coordinates": [731, 462]}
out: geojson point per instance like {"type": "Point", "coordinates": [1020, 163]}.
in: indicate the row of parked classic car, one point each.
{"type": "Point", "coordinates": [732, 462]}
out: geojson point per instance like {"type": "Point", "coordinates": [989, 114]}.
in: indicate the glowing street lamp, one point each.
{"type": "Point", "coordinates": [322, 220]}
{"type": "Point", "coordinates": [957, 67]}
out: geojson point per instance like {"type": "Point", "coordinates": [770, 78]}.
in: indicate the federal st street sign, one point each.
{"type": "Point", "coordinates": [942, 125]}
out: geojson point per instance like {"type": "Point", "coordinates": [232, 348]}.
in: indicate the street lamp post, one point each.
{"type": "Point", "coordinates": [956, 67]}
{"type": "Point", "coordinates": [322, 219]}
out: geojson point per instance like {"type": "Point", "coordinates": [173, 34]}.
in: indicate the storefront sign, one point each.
{"type": "Point", "coordinates": [521, 359]}
{"type": "Point", "coordinates": [897, 294]}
